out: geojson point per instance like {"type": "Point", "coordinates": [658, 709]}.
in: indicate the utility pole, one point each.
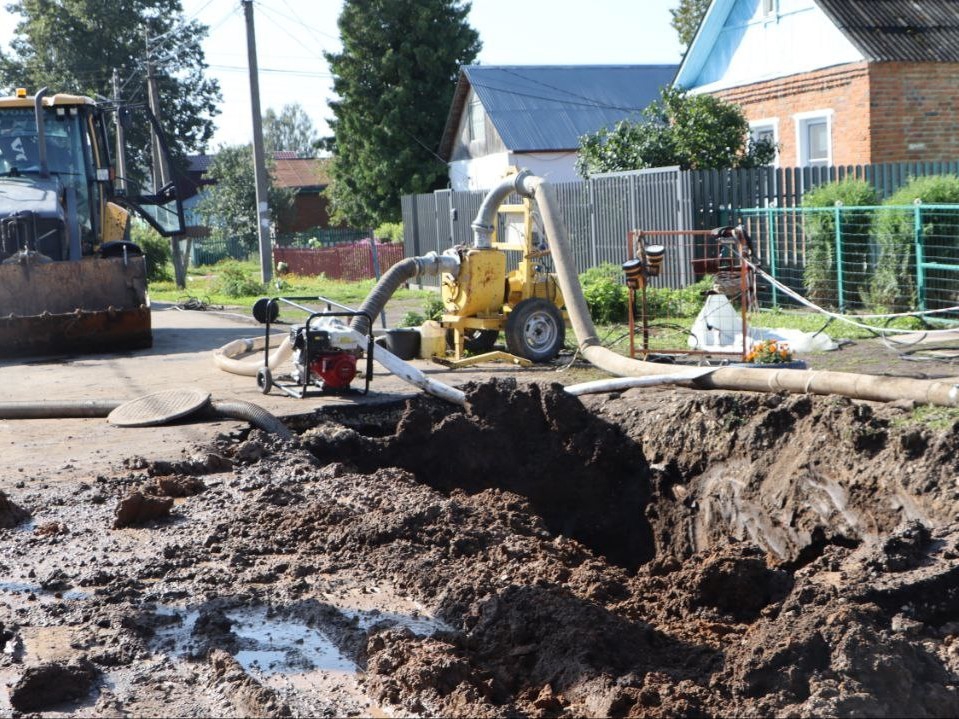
{"type": "Point", "coordinates": [121, 135]}
{"type": "Point", "coordinates": [259, 162]}
{"type": "Point", "coordinates": [161, 172]}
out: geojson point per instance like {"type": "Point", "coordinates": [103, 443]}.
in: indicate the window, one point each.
{"type": "Point", "coordinates": [767, 130]}
{"type": "Point", "coordinates": [770, 7]}
{"type": "Point", "coordinates": [476, 121]}
{"type": "Point", "coordinates": [814, 138]}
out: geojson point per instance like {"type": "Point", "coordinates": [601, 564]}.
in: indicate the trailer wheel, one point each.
{"type": "Point", "coordinates": [535, 330]}
{"type": "Point", "coordinates": [264, 379]}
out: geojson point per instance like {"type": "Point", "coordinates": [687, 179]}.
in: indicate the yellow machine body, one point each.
{"type": "Point", "coordinates": [482, 295]}
{"type": "Point", "coordinates": [478, 288]}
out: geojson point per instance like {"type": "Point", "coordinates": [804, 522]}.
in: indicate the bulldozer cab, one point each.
{"type": "Point", "coordinates": [69, 278]}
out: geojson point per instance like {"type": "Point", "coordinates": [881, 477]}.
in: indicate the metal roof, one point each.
{"type": "Point", "coordinates": [537, 108]}
{"type": "Point", "coordinates": [899, 30]}
{"type": "Point", "coordinates": [301, 173]}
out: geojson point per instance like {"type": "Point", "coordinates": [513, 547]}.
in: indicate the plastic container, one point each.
{"type": "Point", "coordinates": [432, 340]}
{"type": "Point", "coordinates": [403, 342]}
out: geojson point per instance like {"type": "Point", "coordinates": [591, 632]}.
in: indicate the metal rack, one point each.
{"type": "Point", "coordinates": [639, 268]}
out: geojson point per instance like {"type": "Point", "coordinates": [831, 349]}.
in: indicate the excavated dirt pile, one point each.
{"type": "Point", "coordinates": [665, 553]}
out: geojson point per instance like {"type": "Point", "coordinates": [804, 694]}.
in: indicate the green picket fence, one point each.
{"type": "Point", "coordinates": [889, 258]}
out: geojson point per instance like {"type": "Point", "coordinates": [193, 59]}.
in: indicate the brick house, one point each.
{"type": "Point", "coordinates": [308, 177]}
{"type": "Point", "coordinates": [835, 82]}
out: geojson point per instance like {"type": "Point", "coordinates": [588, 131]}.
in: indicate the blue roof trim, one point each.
{"type": "Point", "coordinates": [702, 45]}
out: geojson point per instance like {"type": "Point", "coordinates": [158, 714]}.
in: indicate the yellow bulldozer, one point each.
{"type": "Point", "coordinates": [70, 279]}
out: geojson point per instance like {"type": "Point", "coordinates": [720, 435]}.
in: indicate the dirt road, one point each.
{"type": "Point", "coordinates": [655, 553]}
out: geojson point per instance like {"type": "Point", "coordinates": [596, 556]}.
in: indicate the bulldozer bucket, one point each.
{"type": "Point", "coordinates": [89, 305]}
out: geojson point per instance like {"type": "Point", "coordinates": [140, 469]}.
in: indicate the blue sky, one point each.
{"type": "Point", "coordinates": [292, 35]}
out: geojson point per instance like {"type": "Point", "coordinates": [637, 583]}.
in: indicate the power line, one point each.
{"type": "Point", "coordinates": [299, 73]}
{"type": "Point", "coordinates": [265, 12]}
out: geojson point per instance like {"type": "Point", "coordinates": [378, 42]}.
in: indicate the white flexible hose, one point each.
{"type": "Point", "coordinates": [617, 384]}
{"type": "Point", "coordinates": [225, 359]}
{"type": "Point", "coordinates": [225, 356]}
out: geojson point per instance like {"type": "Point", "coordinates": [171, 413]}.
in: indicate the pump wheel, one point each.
{"type": "Point", "coordinates": [535, 330]}
{"type": "Point", "coordinates": [264, 379]}
{"type": "Point", "coordinates": [474, 341]}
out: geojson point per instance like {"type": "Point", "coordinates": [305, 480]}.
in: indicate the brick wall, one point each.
{"type": "Point", "coordinates": [882, 112]}
{"type": "Point", "coordinates": [913, 107]}
{"type": "Point", "coordinates": [844, 90]}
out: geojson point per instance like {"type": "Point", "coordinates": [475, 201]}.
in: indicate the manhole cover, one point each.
{"type": "Point", "coordinates": [159, 408]}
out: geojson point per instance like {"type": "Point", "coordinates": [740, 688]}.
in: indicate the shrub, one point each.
{"type": "Point", "coordinates": [412, 319]}
{"type": "Point", "coordinates": [606, 297]}
{"type": "Point", "coordinates": [234, 281]}
{"type": "Point", "coordinates": [389, 231]}
{"type": "Point", "coordinates": [893, 285]}
{"type": "Point", "coordinates": [433, 308]}
{"type": "Point", "coordinates": [157, 251]}
{"type": "Point", "coordinates": [819, 228]}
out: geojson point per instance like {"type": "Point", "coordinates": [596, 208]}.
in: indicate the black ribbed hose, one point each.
{"type": "Point", "coordinates": [389, 283]}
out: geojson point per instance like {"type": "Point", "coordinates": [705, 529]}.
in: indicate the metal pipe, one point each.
{"type": "Point", "coordinates": [485, 222]}
{"type": "Point", "coordinates": [41, 132]}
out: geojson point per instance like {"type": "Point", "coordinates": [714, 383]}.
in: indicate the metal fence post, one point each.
{"type": "Point", "coordinates": [771, 233]}
{"type": "Point", "coordinates": [839, 274]}
{"type": "Point", "coordinates": [920, 256]}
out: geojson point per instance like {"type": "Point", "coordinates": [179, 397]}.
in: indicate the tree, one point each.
{"type": "Point", "coordinates": [292, 130]}
{"type": "Point", "coordinates": [693, 131]}
{"type": "Point", "coordinates": [74, 46]}
{"type": "Point", "coordinates": [229, 205]}
{"type": "Point", "coordinates": [687, 17]}
{"type": "Point", "coordinates": [394, 79]}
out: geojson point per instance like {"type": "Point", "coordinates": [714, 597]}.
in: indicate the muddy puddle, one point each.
{"type": "Point", "coordinates": [640, 554]}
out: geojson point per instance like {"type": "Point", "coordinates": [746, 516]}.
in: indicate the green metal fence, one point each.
{"type": "Point", "coordinates": [890, 258]}
{"type": "Point", "coordinates": [320, 237]}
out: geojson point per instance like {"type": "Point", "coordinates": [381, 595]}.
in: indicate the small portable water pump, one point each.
{"type": "Point", "coordinates": [325, 351]}
{"type": "Point", "coordinates": [324, 354]}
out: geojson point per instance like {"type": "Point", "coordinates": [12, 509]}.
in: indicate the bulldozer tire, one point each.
{"type": "Point", "coordinates": [264, 379]}
{"type": "Point", "coordinates": [535, 330]}
{"type": "Point", "coordinates": [474, 341]}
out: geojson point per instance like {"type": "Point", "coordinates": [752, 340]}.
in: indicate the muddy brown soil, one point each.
{"type": "Point", "coordinates": [655, 553]}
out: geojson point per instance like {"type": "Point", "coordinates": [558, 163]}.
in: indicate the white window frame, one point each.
{"type": "Point", "coordinates": [475, 120]}
{"type": "Point", "coordinates": [765, 124]}
{"type": "Point", "coordinates": [803, 120]}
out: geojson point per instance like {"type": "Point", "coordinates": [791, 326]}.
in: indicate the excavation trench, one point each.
{"type": "Point", "coordinates": [647, 553]}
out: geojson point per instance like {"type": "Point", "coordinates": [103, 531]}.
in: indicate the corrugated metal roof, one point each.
{"type": "Point", "coordinates": [899, 30]}
{"type": "Point", "coordinates": [301, 173]}
{"type": "Point", "coordinates": [537, 108]}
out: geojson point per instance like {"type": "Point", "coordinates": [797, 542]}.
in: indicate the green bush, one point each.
{"type": "Point", "coordinates": [234, 281]}
{"type": "Point", "coordinates": [606, 296]}
{"type": "Point", "coordinates": [433, 308]}
{"type": "Point", "coordinates": [412, 319]}
{"type": "Point", "coordinates": [819, 228]}
{"type": "Point", "coordinates": [390, 231]}
{"type": "Point", "coordinates": [685, 302]}
{"type": "Point", "coordinates": [893, 285]}
{"type": "Point", "coordinates": [157, 251]}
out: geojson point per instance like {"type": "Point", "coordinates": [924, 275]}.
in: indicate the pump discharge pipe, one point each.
{"type": "Point", "coordinates": [846, 384]}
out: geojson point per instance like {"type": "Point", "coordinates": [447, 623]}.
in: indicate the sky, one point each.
{"type": "Point", "coordinates": [291, 36]}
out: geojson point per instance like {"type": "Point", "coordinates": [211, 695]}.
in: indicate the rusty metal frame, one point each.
{"type": "Point", "coordinates": [635, 243]}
